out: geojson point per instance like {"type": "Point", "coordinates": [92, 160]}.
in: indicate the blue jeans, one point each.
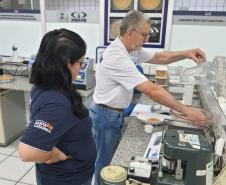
{"type": "Point", "coordinates": [107, 126]}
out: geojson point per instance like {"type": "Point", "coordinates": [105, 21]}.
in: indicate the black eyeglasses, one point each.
{"type": "Point", "coordinates": [144, 35]}
{"type": "Point", "coordinates": [82, 64]}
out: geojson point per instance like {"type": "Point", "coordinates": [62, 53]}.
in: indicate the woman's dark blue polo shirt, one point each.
{"type": "Point", "coordinates": [53, 123]}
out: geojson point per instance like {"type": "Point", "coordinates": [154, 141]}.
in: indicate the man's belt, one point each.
{"type": "Point", "coordinates": [111, 108]}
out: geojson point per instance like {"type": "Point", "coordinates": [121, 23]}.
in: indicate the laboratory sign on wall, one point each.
{"type": "Point", "coordinates": [20, 15]}
{"type": "Point", "coordinates": [74, 16]}
{"type": "Point", "coordinates": [199, 18]}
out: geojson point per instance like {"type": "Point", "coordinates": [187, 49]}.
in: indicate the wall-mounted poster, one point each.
{"type": "Point", "coordinates": [157, 10]}
{"type": "Point", "coordinates": [155, 30]}
{"type": "Point", "coordinates": [150, 6]}
{"type": "Point", "coordinates": [121, 6]}
{"type": "Point", "coordinates": [114, 27]}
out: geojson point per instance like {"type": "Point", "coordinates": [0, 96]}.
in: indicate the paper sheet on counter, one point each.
{"type": "Point", "coordinates": [154, 147]}
{"type": "Point", "coordinates": [141, 108]}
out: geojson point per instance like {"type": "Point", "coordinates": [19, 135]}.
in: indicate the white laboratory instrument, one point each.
{"type": "Point", "coordinates": [184, 87]}
{"type": "Point", "coordinates": [200, 74]}
{"type": "Point", "coordinates": [12, 115]}
{"type": "Point", "coordinates": [140, 169]}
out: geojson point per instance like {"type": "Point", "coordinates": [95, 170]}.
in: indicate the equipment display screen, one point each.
{"type": "Point", "coordinates": [80, 77]}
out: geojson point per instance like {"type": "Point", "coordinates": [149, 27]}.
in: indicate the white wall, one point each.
{"type": "Point", "coordinates": [25, 35]}
{"type": "Point", "coordinates": [89, 32]}
{"type": "Point", "coordinates": [211, 39]}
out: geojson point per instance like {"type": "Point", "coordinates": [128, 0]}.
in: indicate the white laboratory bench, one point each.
{"type": "Point", "coordinates": [14, 107]}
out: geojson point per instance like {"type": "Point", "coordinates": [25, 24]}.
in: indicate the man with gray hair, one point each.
{"type": "Point", "coordinates": [117, 77]}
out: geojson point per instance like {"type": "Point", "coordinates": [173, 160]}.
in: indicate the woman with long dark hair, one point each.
{"type": "Point", "coordinates": [59, 137]}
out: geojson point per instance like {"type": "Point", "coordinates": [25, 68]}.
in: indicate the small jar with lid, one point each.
{"type": "Point", "coordinates": [113, 175]}
{"type": "Point", "coordinates": [161, 72]}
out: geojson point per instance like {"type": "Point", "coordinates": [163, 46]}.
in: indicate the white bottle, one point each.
{"type": "Point", "coordinates": [219, 146]}
{"type": "Point", "coordinates": [15, 56]}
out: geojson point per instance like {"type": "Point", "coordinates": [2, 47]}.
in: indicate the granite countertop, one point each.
{"type": "Point", "coordinates": [134, 140]}
{"type": "Point", "coordinates": [22, 84]}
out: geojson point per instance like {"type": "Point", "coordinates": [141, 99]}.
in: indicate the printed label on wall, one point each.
{"type": "Point", "coordinates": [20, 15]}
{"type": "Point", "coordinates": [72, 16]}
{"type": "Point", "coordinates": [200, 20]}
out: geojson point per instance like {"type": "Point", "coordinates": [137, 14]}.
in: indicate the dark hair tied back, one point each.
{"type": "Point", "coordinates": [58, 48]}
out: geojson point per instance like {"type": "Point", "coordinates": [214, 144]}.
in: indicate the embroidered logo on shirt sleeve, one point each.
{"type": "Point", "coordinates": [43, 125]}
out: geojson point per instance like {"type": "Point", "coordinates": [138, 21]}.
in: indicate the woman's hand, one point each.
{"type": "Point", "coordinates": [56, 156]}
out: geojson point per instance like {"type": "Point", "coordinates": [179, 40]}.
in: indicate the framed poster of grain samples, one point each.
{"type": "Point", "coordinates": [115, 10]}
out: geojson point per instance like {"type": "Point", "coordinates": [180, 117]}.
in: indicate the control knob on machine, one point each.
{"type": "Point", "coordinates": [131, 169]}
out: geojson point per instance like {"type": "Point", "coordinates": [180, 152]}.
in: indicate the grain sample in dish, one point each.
{"type": "Point", "coordinates": [149, 4]}
{"type": "Point", "coordinates": [6, 78]}
{"type": "Point", "coordinates": [121, 4]}
{"type": "Point", "coordinates": [114, 28]}
{"type": "Point", "coordinates": [153, 120]}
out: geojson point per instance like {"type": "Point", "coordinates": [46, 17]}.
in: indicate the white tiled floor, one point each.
{"type": "Point", "coordinates": [12, 170]}
{"type": "Point", "coordinates": [8, 150]}
{"type": "Point", "coordinates": [2, 157]}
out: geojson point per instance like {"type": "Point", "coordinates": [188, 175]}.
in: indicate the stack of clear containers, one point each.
{"type": "Point", "coordinates": [203, 73]}
{"type": "Point", "coordinates": [219, 63]}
